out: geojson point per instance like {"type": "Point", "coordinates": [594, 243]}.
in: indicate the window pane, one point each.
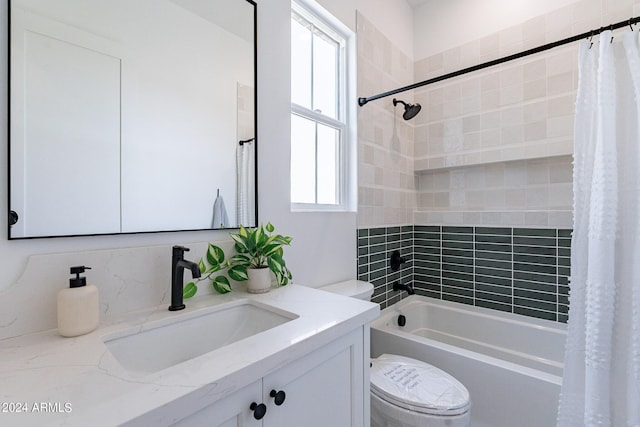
{"type": "Point", "coordinates": [318, 118]}
{"type": "Point", "coordinates": [300, 62]}
{"type": "Point", "coordinates": [303, 160]}
{"type": "Point", "coordinates": [325, 72]}
{"type": "Point", "coordinates": [328, 149]}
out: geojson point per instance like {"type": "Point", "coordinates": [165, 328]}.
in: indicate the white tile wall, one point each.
{"type": "Point", "coordinates": [522, 109]}
{"type": "Point", "coordinates": [491, 147]}
{"type": "Point", "coordinates": [387, 189]}
{"type": "Point", "coordinates": [535, 192]}
{"type": "Point", "coordinates": [513, 111]}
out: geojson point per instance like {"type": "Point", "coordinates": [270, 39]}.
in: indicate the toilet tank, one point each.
{"type": "Point", "coordinates": [351, 288]}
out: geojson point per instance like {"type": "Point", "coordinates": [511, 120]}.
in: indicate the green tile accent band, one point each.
{"type": "Point", "coordinates": [518, 270]}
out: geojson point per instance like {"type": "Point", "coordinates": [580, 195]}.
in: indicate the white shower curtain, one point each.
{"type": "Point", "coordinates": [601, 383]}
{"type": "Point", "coordinates": [245, 169]}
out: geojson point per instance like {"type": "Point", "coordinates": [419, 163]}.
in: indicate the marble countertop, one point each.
{"type": "Point", "coordinates": [50, 380]}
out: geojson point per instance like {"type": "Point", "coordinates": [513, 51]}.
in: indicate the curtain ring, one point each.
{"type": "Point", "coordinates": [611, 29]}
{"type": "Point", "coordinates": [631, 24]}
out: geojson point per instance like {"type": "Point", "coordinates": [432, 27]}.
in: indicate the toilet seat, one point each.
{"type": "Point", "coordinates": [417, 386]}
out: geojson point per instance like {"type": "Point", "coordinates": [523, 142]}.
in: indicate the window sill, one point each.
{"type": "Point", "coordinates": [295, 208]}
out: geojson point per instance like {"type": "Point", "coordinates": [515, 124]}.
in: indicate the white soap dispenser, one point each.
{"type": "Point", "coordinates": [77, 306]}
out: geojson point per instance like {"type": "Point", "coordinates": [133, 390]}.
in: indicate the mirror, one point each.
{"type": "Point", "coordinates": [131, 116]}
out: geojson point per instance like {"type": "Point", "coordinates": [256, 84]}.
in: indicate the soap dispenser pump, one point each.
{"type": "Point", "coordinates": [77, 306]}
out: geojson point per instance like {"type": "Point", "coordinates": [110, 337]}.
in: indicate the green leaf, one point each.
{"type": "Point", "coordinates": [221, 285]}
{"type": "Point", "coordinates": [238, 239]}
{"type": "Point", "coordinates": [189, 290]}
{"type": "Point", "coordinates": [257, 236]}
{"type": "Point", "coordinates": [274, 265]}
{"type": "Point", "coordinates": [214, 268]}
{"type": "Point", "coordinates": [241, 248]}
{"type": "Point", "coordinates": [286, 276]}
{"type": "Point", "coordinates": [238, 273]}
{"type": "Point", "coordinates": [281, 279]}
{"type": "Point", "coordinates": [201, 266]}
{"type": "Point", "coordinates": [283, 276]}
{"type": "Point", "coordinates": [240, 259]}
{"type": "Point", "coordinates": [270, 249]}
{"type": "Point", "coordinates": [270, 227]}
{"type": "Point", "coordinates": [215, 255]}
{"type": "Point", "coordinates": [277, 257]}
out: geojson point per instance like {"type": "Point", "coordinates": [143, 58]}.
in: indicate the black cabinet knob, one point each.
{"type": "Point", "coordinates": [278, 396]}
{"type": "Point", "coordinates": [13, 218]}
{"type": "Point", "coordinates": [259, 410]}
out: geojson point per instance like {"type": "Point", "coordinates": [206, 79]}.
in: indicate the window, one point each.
{"type": "Point", "coordinates": [321, 138]}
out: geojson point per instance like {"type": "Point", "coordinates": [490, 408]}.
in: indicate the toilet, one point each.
{"type": "Point", "coordinates": [406, 392]}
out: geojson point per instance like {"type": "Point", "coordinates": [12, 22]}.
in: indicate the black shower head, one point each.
{"type": "Point", "coordinates": [410, 110]}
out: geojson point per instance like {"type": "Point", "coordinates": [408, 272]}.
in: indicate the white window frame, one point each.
{"type": "Point", "coordinates": [347, 103]}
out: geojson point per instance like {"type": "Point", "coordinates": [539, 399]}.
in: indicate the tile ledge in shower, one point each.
{"type": "Point", "coordinates": [498, 154]}
{"type": "Point", "coordinates": [500, 218]}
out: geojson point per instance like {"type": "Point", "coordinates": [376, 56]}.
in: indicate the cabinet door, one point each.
{"type": "Point", "coordinates": [231, 411]}
{"type": "Point", "coordinates": [325, 388]}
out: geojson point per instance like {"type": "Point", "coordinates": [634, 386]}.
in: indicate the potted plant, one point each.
{"type": "Point", "coordinates": [259, 253]}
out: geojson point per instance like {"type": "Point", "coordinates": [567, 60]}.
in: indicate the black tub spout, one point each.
{"type": "Point", "coordinates": [397, 286]}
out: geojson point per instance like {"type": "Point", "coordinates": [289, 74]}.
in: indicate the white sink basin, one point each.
{"type": "Point", "coordinates": [158, 345]}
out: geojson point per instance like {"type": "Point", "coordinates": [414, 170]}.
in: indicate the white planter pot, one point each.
{"type": "Point", "coordinates": [259, 280]}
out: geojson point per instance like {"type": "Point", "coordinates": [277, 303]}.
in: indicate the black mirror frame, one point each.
{"type": "Point", "coordinates": [12, 216]}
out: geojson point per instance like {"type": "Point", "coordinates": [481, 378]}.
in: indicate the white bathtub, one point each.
{"type": "Point", "coordinates": [511, 364]}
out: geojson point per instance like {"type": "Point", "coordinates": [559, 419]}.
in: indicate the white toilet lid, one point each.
{"type": "Point", "coordinates": [417, 386]}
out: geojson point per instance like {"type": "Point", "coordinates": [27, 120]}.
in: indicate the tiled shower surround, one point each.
{"type": "Point", "coordinates": [518, 270]}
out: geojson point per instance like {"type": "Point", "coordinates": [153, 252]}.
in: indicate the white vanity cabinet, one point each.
{"type": "Point", "coordinates": [316, 364]}
{"type": "Point", "coordinates": [327, 387]}
{"type": "Point", "coordinates": [231, 411]}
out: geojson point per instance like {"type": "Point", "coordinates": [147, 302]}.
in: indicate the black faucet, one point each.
{"type": "Point", "coordinates": [397, 286]}
{"type": "Point", "coordinates": [178, 264]}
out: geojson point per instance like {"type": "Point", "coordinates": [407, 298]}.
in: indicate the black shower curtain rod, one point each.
{"type": "Point", "coordinates": [629, 22]}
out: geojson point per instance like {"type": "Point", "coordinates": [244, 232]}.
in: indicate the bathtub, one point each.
{"type": "Point", "coordinates": [511, 364]}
